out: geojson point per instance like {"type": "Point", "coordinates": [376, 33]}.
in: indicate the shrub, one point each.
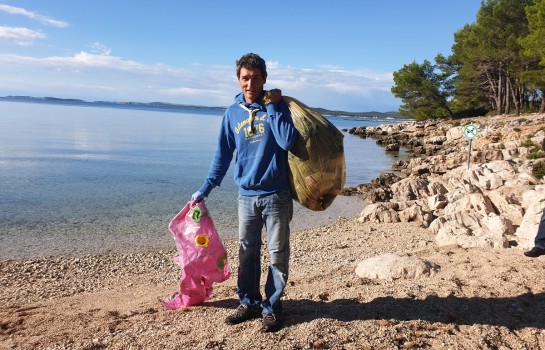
{"type": "Point", "coordinates": [538, 170]}
{"type": "Point", "coordinates": [535, 153]}
{"type": "Point", "coordinates": [528, 143]}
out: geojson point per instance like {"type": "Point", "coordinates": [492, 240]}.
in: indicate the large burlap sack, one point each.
{"type": "Point", "coordinates": [317, 168]}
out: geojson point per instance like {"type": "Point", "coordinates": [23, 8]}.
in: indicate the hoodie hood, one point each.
{"type": "Point", "coordinates": [240, 98]}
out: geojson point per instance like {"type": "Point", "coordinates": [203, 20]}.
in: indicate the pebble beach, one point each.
{"type": "Point", "coordinates": [473, 298]}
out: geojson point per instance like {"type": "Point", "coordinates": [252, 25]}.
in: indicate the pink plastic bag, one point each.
{"type": "Point", "coordinates": [202, 256]}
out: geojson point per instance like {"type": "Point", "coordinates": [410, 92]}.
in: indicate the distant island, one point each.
{"type": "Point", "coordinates": [163, 106]}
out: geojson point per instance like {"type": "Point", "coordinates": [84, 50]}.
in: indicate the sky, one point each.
{"type": "Point", "coordinates": [338, 55]}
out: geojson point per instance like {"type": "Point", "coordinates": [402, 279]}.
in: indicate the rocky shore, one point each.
{"type": "Point", "coordinates": [434, 260]}
{"type": "Point", "coordinates": [495, 199]}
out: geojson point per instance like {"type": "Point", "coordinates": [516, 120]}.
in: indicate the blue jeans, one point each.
{"type": "Point", "coordinates": [275, 212]}
{"type": "Point", "coordinates": [540, 237]}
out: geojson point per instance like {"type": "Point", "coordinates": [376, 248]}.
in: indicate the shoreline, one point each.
{"type": "Point", "coordinates": [127, 235]}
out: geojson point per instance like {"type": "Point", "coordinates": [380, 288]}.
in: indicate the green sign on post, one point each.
{"type": "Point", "coordinates": [470, 131]}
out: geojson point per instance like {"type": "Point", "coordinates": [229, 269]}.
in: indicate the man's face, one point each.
{"type": "Point", "coordinates": [251, 82]}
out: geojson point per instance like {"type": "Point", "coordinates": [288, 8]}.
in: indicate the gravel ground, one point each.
{"type": "Point", "coordinates": [479, 299]}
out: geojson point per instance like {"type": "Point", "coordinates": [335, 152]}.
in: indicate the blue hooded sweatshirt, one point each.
{"type": "Point", "coordinates": [262, 135]}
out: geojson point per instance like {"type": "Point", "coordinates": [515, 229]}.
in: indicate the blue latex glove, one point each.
{"type": "Point", "coordinates": [197, 196]}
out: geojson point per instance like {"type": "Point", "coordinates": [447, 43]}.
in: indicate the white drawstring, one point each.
{"type": "Point", "coordinates": [251, 115]}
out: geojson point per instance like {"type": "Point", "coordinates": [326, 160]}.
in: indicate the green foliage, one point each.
{"type": "Point", "coordinates": [497, 65]}
{"type": "Point", "coordinates": [528, 143]}
{"type": "Point", "coordinates": [533, 48]}
{"type": "Point", "coordinates": [533, 42]}
{"type": "Point", "coordinates": [489, 53]}
{"type": "Point", "coordinates": [423, 90]}
{"type": "Point", "coordinates": [535, 153]}
{"type": "Point", "coordinates": [538, 170]}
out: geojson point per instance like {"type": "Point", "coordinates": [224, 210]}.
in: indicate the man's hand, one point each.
{"type": "Point", "coordinates": [197, 197]}
{"type": "Point", "coordinates": [272, 96]}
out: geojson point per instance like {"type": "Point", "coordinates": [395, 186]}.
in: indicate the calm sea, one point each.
{"type": "Point", "coordinates": [76, 180]}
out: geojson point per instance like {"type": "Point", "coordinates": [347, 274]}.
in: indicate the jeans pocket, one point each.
{"type": "Point", "coordinates": [283, 197]}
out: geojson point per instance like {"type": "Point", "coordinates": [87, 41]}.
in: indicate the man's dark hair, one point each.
{"type": "Point", "coordinates": [252, 61]}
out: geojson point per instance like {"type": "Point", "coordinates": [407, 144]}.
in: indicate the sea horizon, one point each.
{"type": "Point", "coordinates": [173, 107]}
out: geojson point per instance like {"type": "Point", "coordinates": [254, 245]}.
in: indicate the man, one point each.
{"type": "Point", "coordinates": [262, 134]}
{"type": "Point", "coordinates": [539, 241]}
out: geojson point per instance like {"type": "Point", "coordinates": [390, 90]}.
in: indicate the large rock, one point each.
{"type": "Point", "coordinates": [534, 201]}
{"type": "Point", "coordinates": [392, 147]}
{"type": "Point", "coordinates": [437, 202]}
{"type": "Point", "coordinates": [417, 213]}
{"type": "Point", "coordinates": [392, 267]}
{"type": "Point", "coordinates": [379, 212]}
{"type": "Point", "coordinates": [451, 231]}
{"type": "Point", "coordinates": [415, 188]}
{"type": "Point", "coordinates": [471, 220]}
{"type": "Point", "coordinates": [507, 205]}
{"type": "Point", "coordinates": [493, 174]}
{"type": "Point", "coordinates": [486, 156]}
{"type": "Point", "coordinates": [472, 202]}
{"type": "Point", "coordinates": [454, 134]}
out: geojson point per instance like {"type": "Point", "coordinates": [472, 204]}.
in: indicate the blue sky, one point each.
{"type": "Point", "coordinates": [337, 55]}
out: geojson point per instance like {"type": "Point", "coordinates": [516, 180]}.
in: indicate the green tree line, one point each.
{"type": "Point", "coordinates": [497, 66]}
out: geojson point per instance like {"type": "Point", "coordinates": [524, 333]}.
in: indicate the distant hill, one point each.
{"type": "Point", "coordinates": [173, 107]}
{"type": "Point", "coordinates": [135, 105]}
{"type": "Point", "coordinates": [371, 114]}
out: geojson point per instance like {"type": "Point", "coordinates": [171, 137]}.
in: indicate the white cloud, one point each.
{"type": "Point", "coordinates": [191, 91]}
{"type": "Point", "coordinates": [98, 48]}
{"type": "Point", "coordinates": [205, 96]}
{"type": "Point", "coordinates": [80, 61]}
{"type": "Point", "coordinates": [112, 77]}
{"type": "Point", "coordinates": [32, 15]}
{"type": "Point", "coordinates": [272, 65]}
{"type": "Point", "coordinates": [334, 80]}
{"type": "Point", "coordinates": [19, 36]}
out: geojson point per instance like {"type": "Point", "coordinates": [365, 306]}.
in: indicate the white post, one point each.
{"type": "Point", "coordinates": [470, 131]}
{"type": "Point", "coordinates": [469, 154]}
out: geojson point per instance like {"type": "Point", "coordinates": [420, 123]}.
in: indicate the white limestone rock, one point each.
{"type": "Point", "coordinates": [393, 267]}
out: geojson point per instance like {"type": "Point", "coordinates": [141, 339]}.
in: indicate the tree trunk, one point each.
{"type": "Point", "coordinates": [449, 111]}
{"type": "Point", "coordinates": [522, 97]}
{"type": "Point", "coordinates": [508, 89]}
{"type": "Point", "coordinates": [516, 92]}
{"type": "Point", "coordinates": [493, 94]}
{"type": "Point", "coordinates": [498, 95]}
{"type": "Point", "coordinates": [519, 102]}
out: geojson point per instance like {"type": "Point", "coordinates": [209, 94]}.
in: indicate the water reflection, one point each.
{"type": "Point", "coordinates": [76, 177]}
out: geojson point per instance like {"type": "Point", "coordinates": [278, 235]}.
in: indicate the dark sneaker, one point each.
{"type": "Point", "coordinates": [272, 323]}
{"type": "Point", "coordinates": [243, 313]}
{"type": "Point", "coordinates": [535, 252]}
